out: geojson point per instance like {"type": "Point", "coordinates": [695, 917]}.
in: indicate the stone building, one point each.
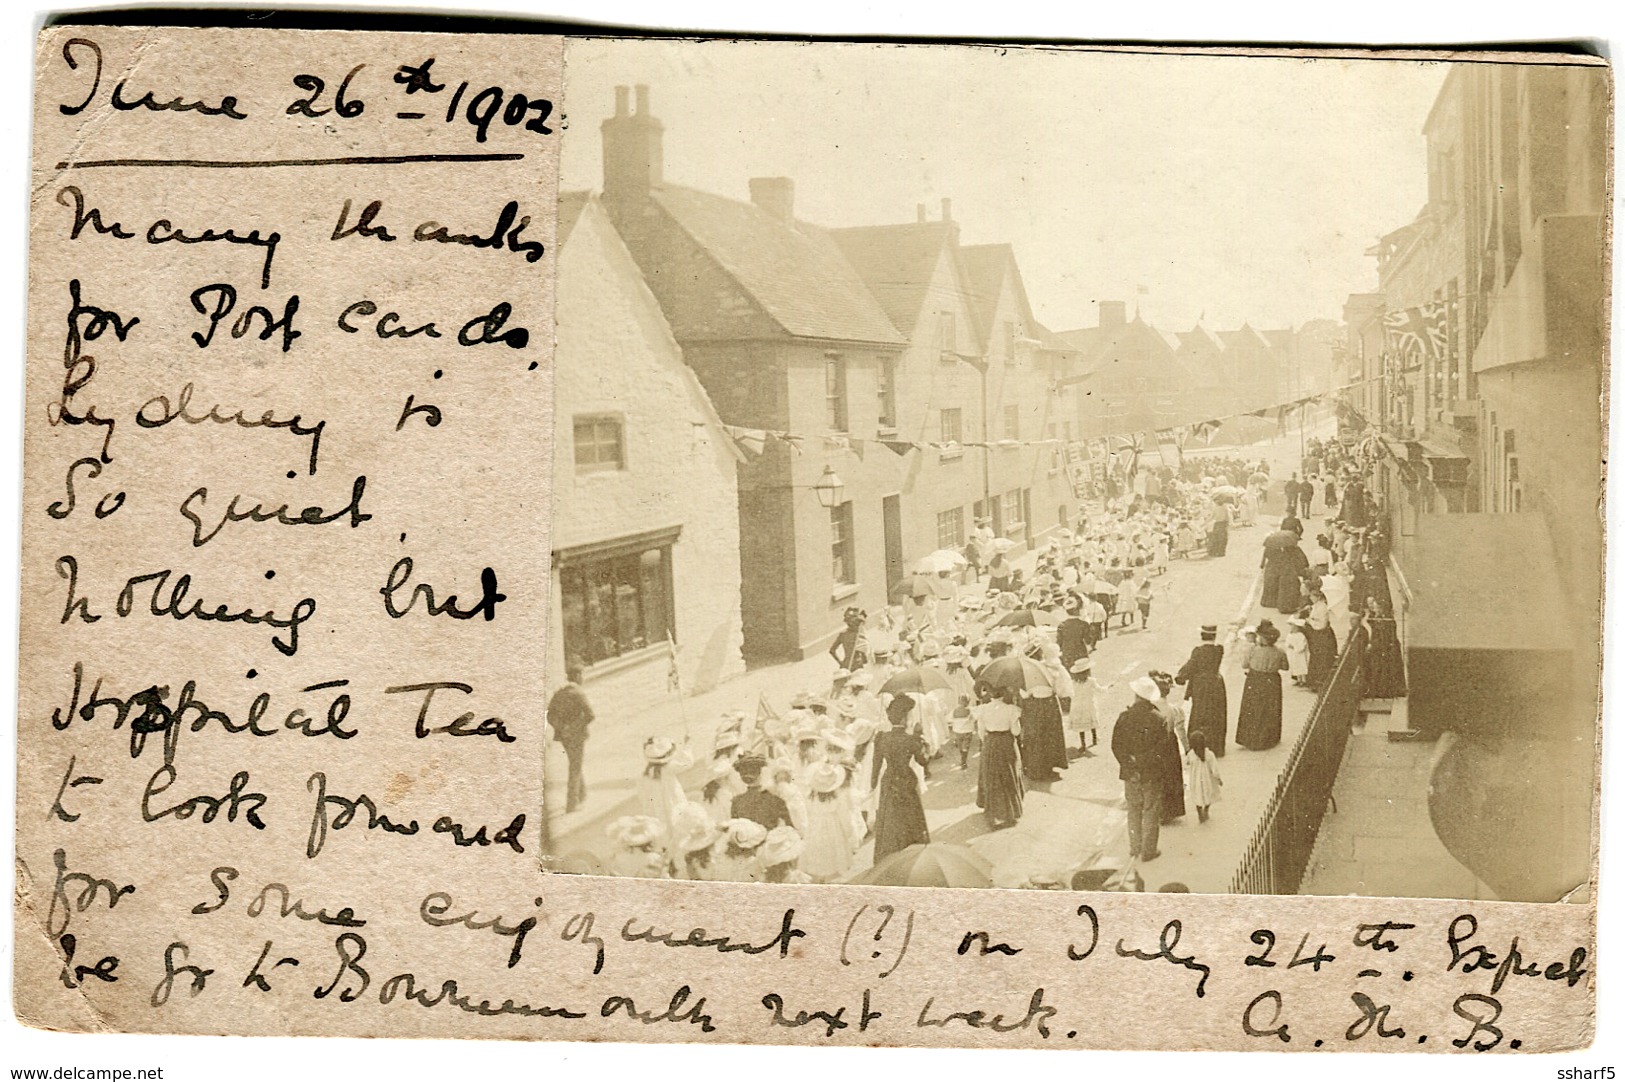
{"type": "Point", "coordinates": [1493, 475]}
{"type": "Point", "coordinates": [859, 345]}
{"type": "Point", "coordinates": [645, 511]}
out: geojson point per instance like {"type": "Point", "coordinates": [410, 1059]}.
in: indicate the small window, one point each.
{"type": "Point", "coordinates": [947, 336]}
{"type": "Point", "coordinates": [953, 430]}
{"type": "Point", "coordinates": [951, 528]}
{"type": "Point", "coordinates": [600, 443]}
{"type": "Point", "coordinates": [842, 549]}
{"type": "Point", "coordinates": [835, 390]}
{"type": "Point", "coordinates": [888, 393]}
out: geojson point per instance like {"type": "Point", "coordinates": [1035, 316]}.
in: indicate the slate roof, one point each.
{"type": "Point", "coordinates": [794, 271]}
{"type": "Point", "coordinates": [897, 262]}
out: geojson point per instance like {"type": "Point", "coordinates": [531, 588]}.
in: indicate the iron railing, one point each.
{"type": "Point", "coordinates": [1278, 854]}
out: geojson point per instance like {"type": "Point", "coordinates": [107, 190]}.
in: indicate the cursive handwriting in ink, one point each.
{"type": "Point", "coordinates": [1165, 952]}
{"type": "Point", "coordinates": [86, 887]}
{"type": "Point", "coordinates": [258, 512]}
{"type": "Point", "coordinates": [158, 411]}
{"type": "Point", "coordinates": [434, 908]}
{"type": "Point", "coordinates": [490, 598]}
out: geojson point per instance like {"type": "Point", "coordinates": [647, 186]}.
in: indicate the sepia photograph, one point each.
{"type": "Point", "coordinates": [1079, 469]}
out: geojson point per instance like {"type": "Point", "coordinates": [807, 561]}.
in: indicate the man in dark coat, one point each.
{"type": "Point", "coordinates": [569, 713]}
{"type": "Point", "coordinates": [1204, 688]}
{"type": "Point", "coordinates": [1283, 564]}
{"type": "Point", "coordinates": [1137, 744]}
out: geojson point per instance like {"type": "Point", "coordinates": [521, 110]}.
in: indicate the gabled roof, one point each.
{"type": "Point", "coordinates": [795, 272]}
{"type": "Point", "coordinates": [1243, 337]}
{"type": "Point", "coordinates": [897, 263]}
{"type": "Point", "coordinates": [1199, 340]}
{"type": "Point", "coordinates": [570, 206]}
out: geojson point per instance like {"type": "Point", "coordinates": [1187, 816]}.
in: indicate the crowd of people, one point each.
{"type": "Point", "coordinates": [982, 666]}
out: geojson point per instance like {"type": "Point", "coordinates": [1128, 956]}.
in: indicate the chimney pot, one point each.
{"type": "Point", "coordinates": [776, 195]}
{"type": "Point", "coordinates": [643, 99]}
{"type": "Point", "coordinates": [634, 158]}
{"type": "Point", "coordinates": [620, 100]}
{"type": "Point", "coordinates": [947, 209]}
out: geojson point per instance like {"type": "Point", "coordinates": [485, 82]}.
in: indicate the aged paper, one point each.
{"type": "Point", "coordinates": [296, 603]}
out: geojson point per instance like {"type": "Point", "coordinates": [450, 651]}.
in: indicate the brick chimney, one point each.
{"type": "Point", "coordinates": [776, 195]}
{"type": "Point", "coordinates": [633, 157]}
{"type": "Point", "coordinates": [1113, 315]}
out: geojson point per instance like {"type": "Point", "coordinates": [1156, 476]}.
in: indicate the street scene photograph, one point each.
{"type": "Point", "coordinates": [1074, 469]}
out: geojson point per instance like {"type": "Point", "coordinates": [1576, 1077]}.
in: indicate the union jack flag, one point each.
{"type": "Point", "coordinates": [1424, 329]}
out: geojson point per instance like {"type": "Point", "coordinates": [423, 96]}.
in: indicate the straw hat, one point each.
{"type": "Point", "coordinates": [840, 741]}
{"type": "Point", "coordinates": [1082, 665]}
{"type": "Point", "coordinates": [846, 707]}
{"type": "Point", "coordinates": [800, 701]}
{"type": "Point", "coordinates": [860, 679]}
{"type": "Point", "coordinates": [745, 833]}
{"type": "Point", "coordinates": [1146, 688]}
{"type": "Point", "coordinates": [781, 846]}
{"type": "Point", "coordinates": [634, 831]}
{"type": "Point", "coordinates": [692, 828]}
{"type": "Point", "coordinates": [658, 750]}
{"type": "Point", "coordinates": [726, 738]}
{"type": "Point", "coordinates": [861, 730]}
{"type": "Point", "coordinates": [825, 778]}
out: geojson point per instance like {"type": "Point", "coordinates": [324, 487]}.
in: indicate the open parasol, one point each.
{"type": "Point", "coordinates": [920, 678]}
{"type": "Point", "coordinates": [938, 865]}
{"type": "Point", "coordinates": [1015, 672]}
{"type": "Point", "coordinates": [940, 560]}
{"type": "Point", "coordinates": [1003, 544]}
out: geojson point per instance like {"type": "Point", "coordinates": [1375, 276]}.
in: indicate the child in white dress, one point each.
{"type": "Point", "coordinates": [1202, 781]}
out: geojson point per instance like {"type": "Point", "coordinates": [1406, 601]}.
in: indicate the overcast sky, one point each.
{"type": "Point", "coordinates": [1225, 188]}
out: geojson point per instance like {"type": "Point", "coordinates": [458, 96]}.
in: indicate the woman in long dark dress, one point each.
{"type": "Point", "coordinates": [1322, 642]}
{"type": "Point", "coordinates": [1258, 726]}
{"type": "Point", "coordinates": [1043, 735]}
{"type": "Point", "coordinates": [1205, 691]}
{"type": "Point", "coordinates": [1283, 563]}
{"type": "Point", "coordinates": [998, 784]}
{"type": "Point", "coordinates": [1382, 666]}
{"type": "Point", "coordinates": [899, 813]}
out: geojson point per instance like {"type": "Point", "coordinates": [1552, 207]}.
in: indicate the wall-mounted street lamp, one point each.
{"type": "Point", "coordinates": [830, 488]}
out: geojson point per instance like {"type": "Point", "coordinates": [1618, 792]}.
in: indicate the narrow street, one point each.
{"type": "Point", "coordinates": [1074, 823]}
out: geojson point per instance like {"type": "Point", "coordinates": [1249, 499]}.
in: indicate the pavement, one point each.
{"type": "Point", "coordinates": [1380, 839]}
{"type": "Point", "coordinates": [1075, 822]}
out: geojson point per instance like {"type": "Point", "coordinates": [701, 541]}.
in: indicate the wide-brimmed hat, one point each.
{"type": "Point", "coordinates": [954, 654]}
{"type": "Point", "coordinates": [846, 707]}
{"type": "Point", "coordinates": [840, 741]}
{"type": "Point", "coordinates": [861, 730]}
{"type": "Point", "coordinates": [1146, 688]}
{"type": "Point", "coordinates": [859, 679]}
{"type": "Point", "coordinates": [1082, 665]}
{"type": "Point", "coordinates": [801, 700]}
{"type": "Point", "coordinates": [692, 827]}
{"type": "Point", "coordinates": [781, 846]}
{"type": "Point", "coordinates": [658, 750]}
{"type": "Point", "coordinates": [726, 738]}
{"type": "Point", "coordinates": [634, 831]}
{"type": "Point", "coordinates": [745, 833]}
{"type": "Point", "coordinates": [825, 778]}
{"type": "Point", "coordinates": [1268, 632]}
